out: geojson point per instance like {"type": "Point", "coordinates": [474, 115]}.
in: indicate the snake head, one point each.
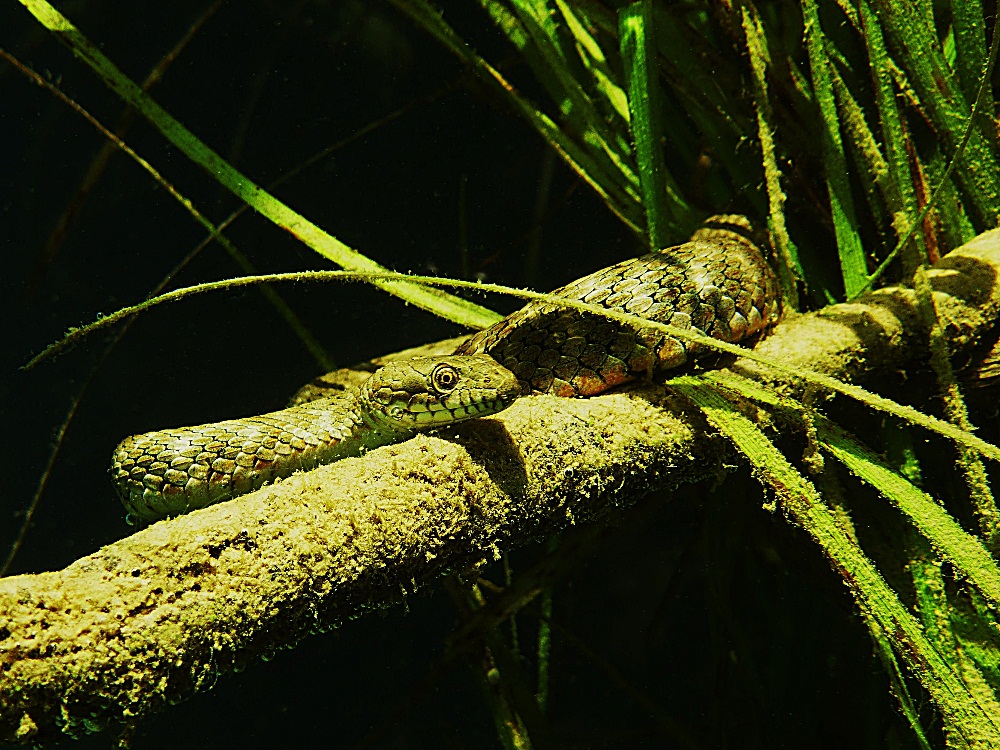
{"type": "Point", "coordinates": [425, 392]}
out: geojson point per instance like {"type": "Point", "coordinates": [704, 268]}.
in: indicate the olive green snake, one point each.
{"type": "Point", "coordinates": [718, 283]}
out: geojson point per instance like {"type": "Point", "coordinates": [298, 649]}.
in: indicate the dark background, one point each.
{"type": "Point", "coordinates": [716, 612]}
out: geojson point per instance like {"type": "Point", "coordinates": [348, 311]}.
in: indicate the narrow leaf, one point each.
{"type": "Point", "coordinates": [435, 300]}
{"type": "Point", "coordinates": [853, 266]}
{"type": "Point", "coordinates": [962, 712]}
{"type": "Point", "coordinates": [638, 47]}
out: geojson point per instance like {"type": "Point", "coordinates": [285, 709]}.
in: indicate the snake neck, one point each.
{"type": "Point", "coordinates": [381, 430]}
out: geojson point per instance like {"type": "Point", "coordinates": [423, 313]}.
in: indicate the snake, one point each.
{"type": "Point", "coordinates": [718, 283]}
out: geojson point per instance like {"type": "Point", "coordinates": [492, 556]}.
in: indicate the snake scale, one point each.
{"type": "Point", "coordinates": [718, 282]}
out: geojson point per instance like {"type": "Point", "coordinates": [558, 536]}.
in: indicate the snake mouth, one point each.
{"type": "Point", "coordinates": [498, 391]}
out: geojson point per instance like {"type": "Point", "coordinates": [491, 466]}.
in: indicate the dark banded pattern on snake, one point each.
{"type": "Point", "coordinates": [718, 282]}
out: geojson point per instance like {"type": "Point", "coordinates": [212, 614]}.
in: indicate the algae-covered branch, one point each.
{"type": "Point", "coordinates": [154, 618]}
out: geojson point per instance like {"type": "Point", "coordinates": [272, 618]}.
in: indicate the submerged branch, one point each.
{"type": "Point", "coordinates": [154, 618]}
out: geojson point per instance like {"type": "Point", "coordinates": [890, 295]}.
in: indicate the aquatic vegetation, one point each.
{"type": "Point", "coordinates": [864, 136]}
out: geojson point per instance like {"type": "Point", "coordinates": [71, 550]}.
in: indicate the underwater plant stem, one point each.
{"type": "Point", "coordinates": [240, 185]}
{"type": "Point", "coordinates": [789, 268]}
{"type": "Point", "coordinates": [638, 47]}
{"type": "Point", "coordinates": [971, 463]}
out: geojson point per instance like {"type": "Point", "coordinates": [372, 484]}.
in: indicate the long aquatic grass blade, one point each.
{"type": "Point", "coordinates": [957, 158]}
{"type": "Point", "coordinates": [621, 197]}
{"type": "Point", "coordinates": [441, 303]}
{"type": "Point", "coordinates": [568, 80]}
{"type": "Point", "coordinates": [596, 61]}
{"type": "Point", "coordinates": [605, 87]}
{"type": "Point", "coordinates": [790, 269]}
{"type": "Point", "coordinates": [938, 612]}
{"type": "Point", "coordinates": [638, 48]}
{"type": "Point", "coordinates": [969, 27]}
{"type": "Point", "coordinates": [953, 543]}
{"type": "Point", "coordinates": [872, 400]}
{"type": "Point", "coordinates": [898, 684]}
{"type": "Point", "coordinates": [975, 627]}
{"type": "Point", "coordinates": [917, 47]}
{"type": "Point", "coordinates": [853, 266]}
{"type": "Point", "coordinates": [705, 106]}
{"type": "Point", "coordinates": [215, 233]}
{"type": "Point", "coordinates": [898, 188]}
{"type": "Point", "coordinates": [955, 224]}
{"type": "Point", "coordinates": [871, 166]}
{"type": "Point", "coordinates": [962, 713]}
{"type": "Point", "coordinates": [955, 409]}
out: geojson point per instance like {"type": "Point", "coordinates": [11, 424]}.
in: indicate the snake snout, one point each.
{"type": "Point", "coordinates": [508, 387]}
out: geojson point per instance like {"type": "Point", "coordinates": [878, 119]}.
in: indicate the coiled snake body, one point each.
{"type": "Point", "coordinates": [718, 282]}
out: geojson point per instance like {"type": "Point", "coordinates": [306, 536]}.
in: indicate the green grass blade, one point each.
{"type": "Point", "coordinates": [952, 542]}
{"type": "Point", "coordinates": [621, 196]}
{"type": "Point", "coordinates": [638, 47]}
{"type": "Point", "coordinates": [955, 223]}
{"type": "Point", "coordinates": [968, 25]}
{"type": "Point", "coordinates": [898, 191]}
{"type": "Point", "coordinates": [872, 165]}
{"type": "Point", "coordinates": [872, 400]}
{"type": "Point", "coordinates": [597, 63]}
{"type": "Point", "coordinates": [883, 648]}
{"type": "Point", "coordinates": [948, 538]}
{"type": "Point", "coordinates": [214, 232]}
{"type": "Point", "coordinates": [707, 107]}
{"type": "Point", "coordinates": [789, 269]}
{"type": "Point", "coordinates": [975, 628]}
{"type": "Point", "coordinates": [441, 303]}
{"type": "Point", "coordinates": [957, 158]}
{"type": "Point", "coordinates": [569, 80]}
{"type": "Point", "coordinates": [946, 108]}
{"type": "Point", "coordinates": [962, 713]}
{"type": "Point", "coordinates": [853, 266]}
{"type": "Point", "coordinates": [955, 409]}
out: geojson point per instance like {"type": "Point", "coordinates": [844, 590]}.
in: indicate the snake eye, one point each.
{"type": "Point", "coordinates": [444, 378]}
